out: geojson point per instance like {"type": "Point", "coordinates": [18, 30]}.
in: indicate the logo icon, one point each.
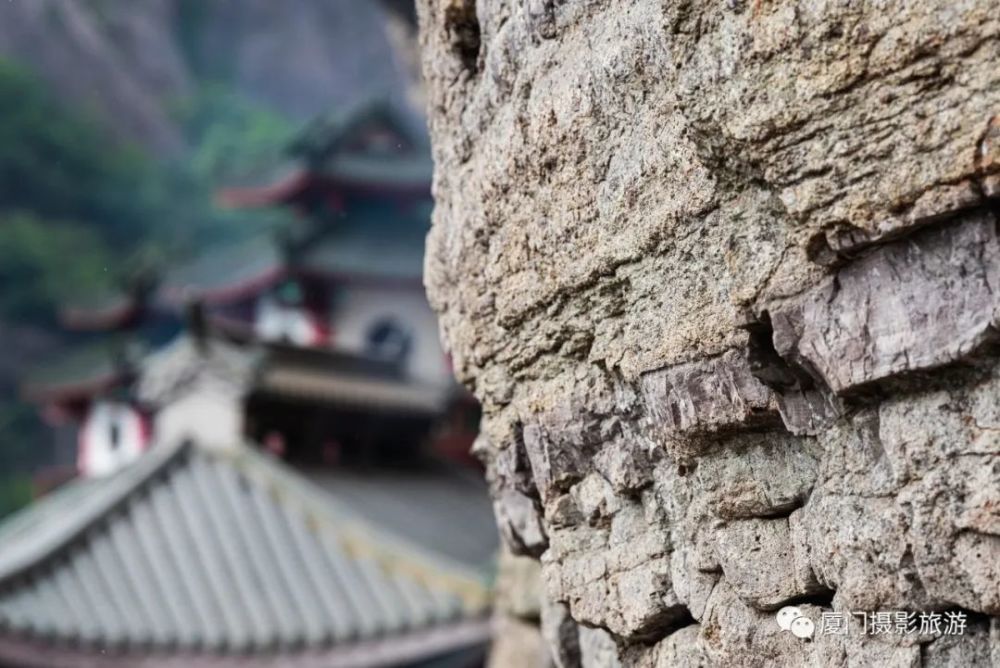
{"type": "Point", "coordinates": [791, 619]}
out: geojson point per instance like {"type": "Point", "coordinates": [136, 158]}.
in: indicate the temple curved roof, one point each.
{"type": "Point", "coordinates": [210, 554]}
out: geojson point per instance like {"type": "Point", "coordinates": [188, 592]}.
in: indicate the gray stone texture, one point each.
{"type": "Point", "coordinates": [726, 279]}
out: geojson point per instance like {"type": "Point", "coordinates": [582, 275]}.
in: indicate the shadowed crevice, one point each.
{"type": "Point", "coordinates": [462, 26]}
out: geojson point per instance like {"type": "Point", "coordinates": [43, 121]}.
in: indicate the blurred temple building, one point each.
{"type": "Point", "coordinates": [351, 363]}
{"type": "Point", "coordinates": [272, 452]}
{"type": "Point", "coordinates": [223, 557]}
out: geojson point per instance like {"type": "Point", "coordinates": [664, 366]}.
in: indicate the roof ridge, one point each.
{"type": "Point", "coordinates": [360, 534]}
{"type": "Point", "coordinates": [103, 500]}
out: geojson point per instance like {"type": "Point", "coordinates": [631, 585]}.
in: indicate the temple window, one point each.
{"type": "Point", "coordinates": [388, 339]}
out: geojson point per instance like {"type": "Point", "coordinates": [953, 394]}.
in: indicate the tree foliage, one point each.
{"type": "Point", "coordinates": [56, 164]}
{"type": "Point", "coordinates": [234, 140]}
{"type": "Point", "coordinates": [15, 491]}
{"type": "Point", "coordinates": [79, 212]}
{"type": "Point", "coordinates": [47, 262]}
{"type": "Point", "coordinates": [76, 207]}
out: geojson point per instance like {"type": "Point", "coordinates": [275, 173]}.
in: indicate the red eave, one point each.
{"type": "Point", "coordinates": [283, 191]}
{"type": "Point", "coordinates": [228, 293]}
{"type": "Point", "coordinates": [70, 392]}
{"type": "Point", "coordinates": [100, 320]}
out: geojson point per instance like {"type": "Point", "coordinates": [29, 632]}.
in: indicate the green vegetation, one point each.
{"type": "Point", "coordinates": [70, 201]}
{"type": "Point", "coordinates": [80, 213]}
{"type": "Point", "coordinates": [74, 207]}
{"type": "Point", "coordinates": [19, 453]}
{"type": "Point", "coordinates": [234, 140]}
{"type": "Point", "coordinates": [15, 492]}
{"type": "Point", "coordinates": [46, 262]}
{"type": "Point", "coordinates": [57, 164]}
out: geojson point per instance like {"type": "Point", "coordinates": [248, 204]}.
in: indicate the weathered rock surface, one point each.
{"type": "Point", "coordinates": [520, 637]}
{"type": "Point", "coordinates": [725, 277]}
{"type": "Point", "coordinates": [518, 643]}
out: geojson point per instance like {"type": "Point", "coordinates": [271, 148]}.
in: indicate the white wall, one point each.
{"type": "Point", "coordinates": [112, 435]}
{"type": "Point", "coordinates": [357, 308]}
{"type": "Point", "coordinates": [211, 415]}
{"type": "Point", "coordinates": [274, 321]}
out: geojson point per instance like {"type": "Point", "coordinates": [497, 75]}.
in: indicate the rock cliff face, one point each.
{"type": "Point", "coordinates": [726, 278]}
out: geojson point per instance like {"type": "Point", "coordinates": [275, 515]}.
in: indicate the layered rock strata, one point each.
{"type": "Point", "coordinates": [726, 279]}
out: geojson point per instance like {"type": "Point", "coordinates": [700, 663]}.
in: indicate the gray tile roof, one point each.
{"type": "Point", "coordinates": [438, 506]}
{"type": "Point", "coordinates": [387, 245]}
{"type": "Point", "coordinates": [220, 268]}
{"type": "Point", "coordinates": [212, 552]}
{"type": "Point", "coordinates": [325, 145]}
